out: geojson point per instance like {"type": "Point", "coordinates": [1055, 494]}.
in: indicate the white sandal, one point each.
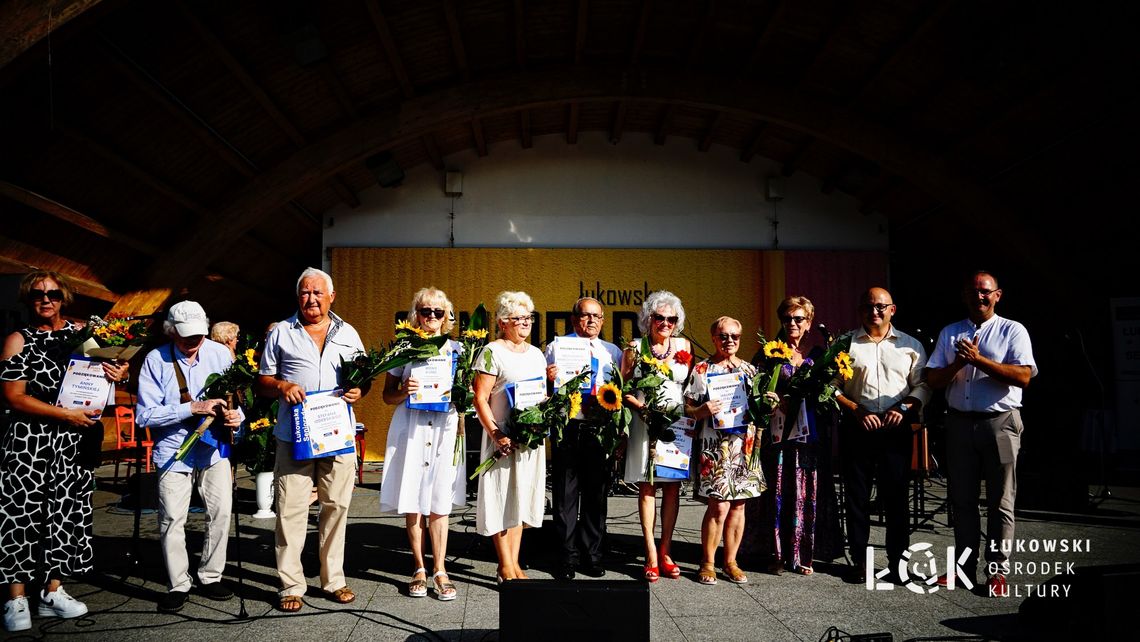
{"type": "Point", "coordinates": [418, 588]}
{"type": "Point", "coordinates": [444, 591]}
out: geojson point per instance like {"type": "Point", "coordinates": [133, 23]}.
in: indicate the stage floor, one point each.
{"type": "Point", "coordinates": [121, 595]}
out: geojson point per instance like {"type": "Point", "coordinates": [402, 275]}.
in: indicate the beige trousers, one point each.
{"type": "Point", "coordinates": [215, 485]}
{"type": "Point", "coordinates": [335, 478]}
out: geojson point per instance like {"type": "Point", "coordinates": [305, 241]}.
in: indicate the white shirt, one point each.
{"type": "Point", "coordinates": [998, 339]}
{"type": "Point", "coordinates": [886, 372]}
{"type": "Point", "coordinates": [290, 354]}
{"type": "Point", "coordinates": [607, 354]}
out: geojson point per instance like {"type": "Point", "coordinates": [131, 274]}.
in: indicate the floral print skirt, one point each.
{"type": "Point", "coordinates": [724, 470]}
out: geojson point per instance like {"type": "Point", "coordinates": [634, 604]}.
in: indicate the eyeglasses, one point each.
{"type": "Point", "coordinates": [670, 320]}
{"type": "Point", "coordinates": [878, 307]}
{"type": "Point", "coordinates": [981, 291]}
{"type": "Point", "coordinates": [38, 295]}
{"type": "Point", "coordinates": [796, 320]}
{"type": "Point", "coordinates": [428, 313]}
{"type": "Point", "coordinates": [590, 315]}
{"type": "Point", "coordinates": [527, 320]}
{"type": "Point", "coordinates": [726, 337]}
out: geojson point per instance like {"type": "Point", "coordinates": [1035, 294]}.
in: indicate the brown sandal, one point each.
{"type": "Point", "coordinates": [344, 595]}
{"type": "Point", "coordinates": [707, 574]}
{"type": "Point", "coordinates": [290, 604]}
{"type": "Point", "coordinates": [733, 573]}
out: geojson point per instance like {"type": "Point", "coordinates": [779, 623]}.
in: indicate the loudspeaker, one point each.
{"type": "Point", "coordinates": [593, 610]}
{"type": "Point", "coordinates": [147, 491]}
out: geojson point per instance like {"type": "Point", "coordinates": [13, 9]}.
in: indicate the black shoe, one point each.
{"type": "Point", "coordinates": [172, 602]}
{"type": "Point", "coordinates": [594, 569]}
{"type": "Point", "coordinates": [564, 572]}
{"type": "Point", "coordinates": [855, 575]}
{"type": "Point", "coordinates": [216, 591]}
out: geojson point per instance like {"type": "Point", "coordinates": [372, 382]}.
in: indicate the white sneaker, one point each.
{"type": "Point", "coordinates": [59, 604]}
{"type": "Point", "coordinates": [17, 617]}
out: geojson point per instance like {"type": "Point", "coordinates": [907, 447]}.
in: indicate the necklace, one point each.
{"type": "Point", "coordinates": [668, 350]}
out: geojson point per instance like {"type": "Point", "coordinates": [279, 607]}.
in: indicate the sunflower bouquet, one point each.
{"type": "Point", "coordinates": [606, 410]}
{"type": "Point", "coordinates": [648, 377]}
{"type": "Point", "coordinates": [528, 427]}
{"type": "Point", "coordinates": [473, 338]}
{"type": "Point", "coordinates": [235, 385]}
{"type": "Point", "coordinates": [816, 381]}
{"type": "Point", "coordinates": [411, 344]}
{"type": "Point", "coordinates": [256, 449]}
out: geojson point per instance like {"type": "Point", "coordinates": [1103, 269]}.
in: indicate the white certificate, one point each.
{"type": "Point", "coordinates": [797, 431]}
{"type": "Point", "coordinates": [84, 386]}
{"type": "Point", "coordinates": [322, 426]}
{"type": "Point", "coordinates": [676, 453]}
{"type": "Point", "coordinates": [529, 392]}
{"type": "Point", "coordinates": [728, 389]}
{"type": "Point", "coordinates": [434, 376]}
{"type": "Point", "coordinates": [572, 356]}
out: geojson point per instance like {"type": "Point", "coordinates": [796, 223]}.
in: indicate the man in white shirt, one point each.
{"type": "Point", "coordinates": [580, 471]}
{"type": "Point", "coordinates": [984, 362]}
{"type": "Point", "coordinates": [303, 354]}
{"type": "Point", "coordinates": [880, 402]}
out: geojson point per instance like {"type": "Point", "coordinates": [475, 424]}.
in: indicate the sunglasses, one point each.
{"type": "Point", "coordinates": [724, 336]}
{"type": "Point", "coordinates": [795, 320]}
{"type": "Point", "coordinates": [660, 317]}
{"type": "Point", "coordinates": [38, 295]}
{"type": "Point", "coordinates": [428, 313]}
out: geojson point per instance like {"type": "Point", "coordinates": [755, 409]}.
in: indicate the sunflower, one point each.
{"type": "Point", "coordinates": [658, 365]}
{"type": "Point", "coordinates": [475, 334]}
{"type": "Point", "coordinates": [777, 350]}
{"type": "Point", "coordinates": [259, 424]}
{"type": "Point", "coordinates": [843, 360]}
{"type": "Point", "coordinates": [575, 404]}
{"type": "Point", "coordinates": [407, 327]}
{"type": "Point", "coordinates": [251, 358]}
{"type": "Point", "coordinates": [609, 397]}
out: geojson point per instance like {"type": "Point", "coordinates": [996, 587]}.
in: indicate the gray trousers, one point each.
{"type": "Point", "coordinates": [174, 490]}
{"type": "Point", "coordinates": [981, 447]}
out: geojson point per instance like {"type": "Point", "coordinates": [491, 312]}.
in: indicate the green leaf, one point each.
{"type": "Point", "coordinates": [478, 320]}
{"type": "Point", "coordinates": [488, 360]}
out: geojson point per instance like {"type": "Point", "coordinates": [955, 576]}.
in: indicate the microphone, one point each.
{"type": "Point", "coordinates": [825, 332]}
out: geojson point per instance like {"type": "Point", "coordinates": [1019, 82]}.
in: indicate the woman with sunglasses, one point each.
{"type": "Point", "coordinates": [421, 481]}
{"type": "Point", "coordinates": [45, 493]}
{"type": "Point", "coordinates": [792, 467]}
{"type": "Point", "coordinates": [513, 492]}
{"type": "Point", "coordinates": [727, 478]}
{"type": "Point", "coordinates": [661, 319]}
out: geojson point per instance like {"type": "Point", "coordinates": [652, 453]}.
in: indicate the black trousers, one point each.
{"type": "Point", "coordinates": [580, 474]}
{"type": "Point", "coordinates": [881, 457]}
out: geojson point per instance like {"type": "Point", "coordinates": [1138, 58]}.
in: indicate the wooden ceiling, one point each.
{"type": "Point", "coordinates": [153, 149]}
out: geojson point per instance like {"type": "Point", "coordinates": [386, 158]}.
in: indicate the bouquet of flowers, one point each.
{"type": "Point", "coordinates": [606, 410]}
{"type": "Point", "coordinates": [816, 381]}
{"type": "Point", "coordinates": [256, 448]}
{"type": "Point", "coordinates": [116, 337]}
{"type": "Point", "coordinates": [648, 376]}
{"type": "Point", "coordinates": [411, 344]}
{"type": "Point", "coordinates": [234, 384]}
{"type": "Point", "coordinates": [527, 428]}
{"type": "Point", "coordinates": [473, 338]}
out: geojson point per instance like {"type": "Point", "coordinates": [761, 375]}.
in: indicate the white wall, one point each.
{"type": "Point", "coordinates": [595, 194]}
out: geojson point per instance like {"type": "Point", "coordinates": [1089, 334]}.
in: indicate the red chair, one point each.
{"type": "Point", "coordinates": [128, 448]}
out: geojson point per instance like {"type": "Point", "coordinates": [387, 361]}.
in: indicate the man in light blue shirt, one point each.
{"type": "Point", "coordinates": [168, 406]}
{"type": "Point", "coordinates": [303, 354]}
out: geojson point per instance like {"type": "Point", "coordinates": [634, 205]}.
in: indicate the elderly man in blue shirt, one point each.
{"type": "Point", "coordinates": [172, 379]}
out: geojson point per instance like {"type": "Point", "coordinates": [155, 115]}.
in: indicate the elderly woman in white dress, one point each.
{"type": "Point", "coordinates": [513, 492]}
{"type": "Point", "coordinates": [421, 481]}
{"type": "Point", "coordinates": [662, 318]}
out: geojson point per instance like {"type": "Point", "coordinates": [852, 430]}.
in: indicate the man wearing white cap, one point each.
{"type": "Point", "coordinates": [172, 378]}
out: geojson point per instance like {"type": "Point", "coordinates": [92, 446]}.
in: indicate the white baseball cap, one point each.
{"type": "Point", "coordinates": [188, 318]}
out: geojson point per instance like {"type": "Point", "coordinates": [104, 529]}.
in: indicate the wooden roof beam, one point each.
{"type": "Point", "coordinates": [789, 166]}
{"type": "Point", "coordinates": [663, 122]}
{"type": "Point", "coordinates": [520, 34]}
{"type": "Point", "coordinates": [526, 139]}
{"type": "Point", "coordinates": [431, 147]}
{"type": "Point", "coordinates": [767, 26]}
{"type": "Point", "coordinates": [380, 23]}
{"type": "Point", "coordinates": [831, 181]}
{"type": "Point", "coordinates": [639, 35]}
{"type": "Point", "coordinates": [698, 43]}
{"type": "Point", "coordinates": [926, 17]}
{"type": "Point", "coordinates": [753, 145]}
{"type": "Point", "coordinates": [710, 131]}
{"type": "Point", "coordinates": [479, 136]}
{"type": "Point", "coordinates": [23, 24]}
{"type": "Point", "coordinates": [572, 116]}
{"type": "Point", "coordinates": [20, 257]}
{"type": "Point", "coordinates": [618, 123]}
{"type": "Point", "coordinates": [456, 35]}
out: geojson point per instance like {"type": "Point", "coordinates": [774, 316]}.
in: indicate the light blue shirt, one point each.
{"type": "Point", "coordinates": [161, 409]}
{"type": "Point", "coordinates": [1000, 339]}
{"type": "Point", "coordinates": [291, 355]}
{"type": "Point", "coordinates": [607, 354]}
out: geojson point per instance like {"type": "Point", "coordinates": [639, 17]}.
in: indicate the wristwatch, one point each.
{"type": "Point", "coordinates": [904, 408]}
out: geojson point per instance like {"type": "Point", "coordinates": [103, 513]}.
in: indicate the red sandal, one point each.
{"type": "Point", "coordinates": [651, 574]}
{"type": "Point", "coordinates": [670, 570]}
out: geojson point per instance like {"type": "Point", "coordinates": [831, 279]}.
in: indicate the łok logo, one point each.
{"type": "Point", "coordinates": [920, 574]}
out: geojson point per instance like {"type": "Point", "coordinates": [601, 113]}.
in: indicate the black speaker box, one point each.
{"type": "Point", "coordinates": [593, 610]}
{"type": "Point", "coordinates": [144, 487]}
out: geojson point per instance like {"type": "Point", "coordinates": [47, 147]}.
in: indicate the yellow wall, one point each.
{"type": "Point", "coordinates": [374, 284]}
